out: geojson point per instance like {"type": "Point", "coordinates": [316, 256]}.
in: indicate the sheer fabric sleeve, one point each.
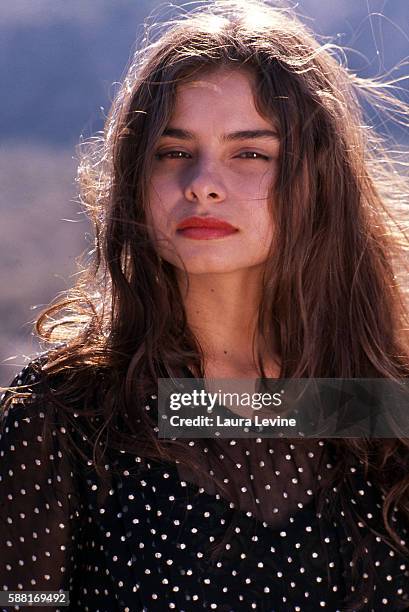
{"type": "Point", "coordinates": [39, 503]}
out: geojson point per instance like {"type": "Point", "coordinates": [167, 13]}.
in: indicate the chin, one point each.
{"type": "Point", "coordinates": [202, 269]}
{"type": "Point", "coordinates": [211, 267]}
{"type": "Point", "coordinates": [211, 263]}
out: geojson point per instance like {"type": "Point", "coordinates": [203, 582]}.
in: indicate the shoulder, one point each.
{"type": "Point", "coordinates": [37, 465]}
{"type": "Point", "coordinates": [23, 398]}
{"type": "Point", "coordinates": [30, 374]}
{"type": "Point", "coordinates": [32, 425]}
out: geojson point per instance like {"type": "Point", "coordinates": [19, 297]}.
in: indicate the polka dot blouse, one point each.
{"type": "Point", "coordinates": [144, 542]}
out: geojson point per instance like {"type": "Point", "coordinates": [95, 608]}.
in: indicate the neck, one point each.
{"type": "Point", "coordinates": [222, 312]}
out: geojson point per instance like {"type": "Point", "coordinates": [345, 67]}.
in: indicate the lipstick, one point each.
{"type": "Point", "coordinates": [205, 228]}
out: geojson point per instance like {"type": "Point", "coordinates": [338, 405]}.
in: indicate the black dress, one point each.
{"type": "Point", "coordinates": [142, 542]}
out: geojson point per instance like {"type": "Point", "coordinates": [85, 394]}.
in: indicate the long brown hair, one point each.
{"type": "Point", "coordinates": [333, 294]}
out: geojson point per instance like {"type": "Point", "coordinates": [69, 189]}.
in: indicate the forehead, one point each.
{"type": "Point", "coordinates": [223, 94]}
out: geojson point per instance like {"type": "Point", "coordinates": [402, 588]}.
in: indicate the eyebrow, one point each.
{"type": "Point", "coordinates": [174, 132]}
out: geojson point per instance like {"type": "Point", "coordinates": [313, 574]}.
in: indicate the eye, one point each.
{"type": "Point", "coordinates": [252, 155]}
{"type": "Point", "coordinates": [172, 155]}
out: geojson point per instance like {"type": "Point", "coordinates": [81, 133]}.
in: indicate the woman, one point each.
{"type": "Point", "coordinates": [242, 230]}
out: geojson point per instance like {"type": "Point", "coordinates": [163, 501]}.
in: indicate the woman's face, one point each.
{"type": "Point", "coordinates": [216, 158]}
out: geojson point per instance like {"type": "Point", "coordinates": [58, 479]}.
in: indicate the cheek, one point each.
{"type": "Point", "coordinates": [164, 189]}
{"type": "Point", "coordinates": [253, 186]}
{"type": "Point", "coordinates": [258, 223]}
{"type": "Point", "coordinates": [263, 228]}
{"type": "Point", "coordinates": [157, 213]}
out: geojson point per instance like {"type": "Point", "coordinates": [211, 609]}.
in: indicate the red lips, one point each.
{"type": "Point", "coordinates": [206, 222]}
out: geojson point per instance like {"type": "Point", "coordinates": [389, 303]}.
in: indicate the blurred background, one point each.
{"type": "Point", "coordinates": [60, 63]}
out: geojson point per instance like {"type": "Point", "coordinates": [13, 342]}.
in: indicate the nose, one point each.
{"type": "Point", "coordinates": [205, 184]}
